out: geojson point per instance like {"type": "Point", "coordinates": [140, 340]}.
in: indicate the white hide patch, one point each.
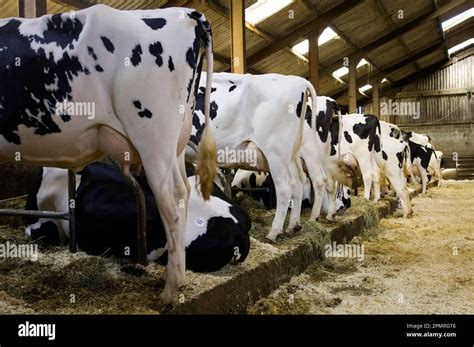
{"type": "Point", "coordinates": [201, 210]}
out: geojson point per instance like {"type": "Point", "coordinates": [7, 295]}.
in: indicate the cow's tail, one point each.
{"type": "Point", "coordinates": [207, 152]}
{"type": "Point", "coordinates": [299, 134]}
{"type": "Point", "coordinates": [407, 164]}
{"type": "Point", "coordinates": [312, 93]}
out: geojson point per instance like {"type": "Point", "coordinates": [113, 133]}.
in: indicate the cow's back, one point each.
{"type": "Point", "coordinates": [130, 67]}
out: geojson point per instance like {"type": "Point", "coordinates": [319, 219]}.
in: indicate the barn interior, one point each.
{"type": "Point", "coordinates": [410, 63]}
{"type": "Point", "coordinates": [381, 57]}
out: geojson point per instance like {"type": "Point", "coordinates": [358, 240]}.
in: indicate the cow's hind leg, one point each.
{"type": "Point", "coordinates": [398, 183]}
{"type": "Point", "coordinates": [283, 189]}
{"type": "Point", "coordinates": [171, 194]}
{"type": "Point", "coordinates": [367, 176]}
{"type": "Point", "coordinates": [424, 179]}
{"type": "Point", "coordinates": [297, 196]}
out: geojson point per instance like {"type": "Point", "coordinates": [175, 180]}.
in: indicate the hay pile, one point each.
{"type": "Point", "coordinates": [420, 265]}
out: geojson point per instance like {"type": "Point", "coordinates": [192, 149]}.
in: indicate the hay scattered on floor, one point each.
{"type": "Point", "coordinates": [419, 265]}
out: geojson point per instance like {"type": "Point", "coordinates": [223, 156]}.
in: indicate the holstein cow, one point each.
{"type": "Point", "coordinates": [315, 152]}
{"type": "Point", "coordinates": [392, 161]}
{"type": "Point", "coordinates": [421, 139]}
{"type": "Point", "coordinates": [252, 179]}
{"type": "Point", "coordinates": [340, 145]}
{"type": "Point", "coordinates": [253, 118]}
{"type": "Point", "coordinates": [355, 142]}
{"type": "Point", "coordinates": [425, 163]}
{"type": "Point", "coordinates": [434, 164]}
{"type": "Point", "coordinates": [140, 85]}
{"type": "Point", "coordinates": [106, 219]}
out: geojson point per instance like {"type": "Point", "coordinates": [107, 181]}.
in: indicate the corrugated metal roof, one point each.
{"type": "Point", "coordinates": [362, 25]}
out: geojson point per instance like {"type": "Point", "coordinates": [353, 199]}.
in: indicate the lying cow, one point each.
{"type": "Point", "coordinates": [258, 125]}
{"type": "Point", "coordinates": [252, 179]}
{"type": "Point", "coordinates": [106, 219]}
{"type": "Point", "coordinates": [139, 86]}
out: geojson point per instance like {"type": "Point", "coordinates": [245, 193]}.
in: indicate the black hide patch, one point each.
{"type": "Point", "coordinates": [422, 152]}
{"type": "Point", "coordinates": [170, 64]}
{"type": "Point", "coordinates": [200, 107]}
{"type": "Point", "coordinates": [23, 85]}
{"type": "Point", "coordinates": [91, 52]}
{"type": "Point", "coordinates": [400, 157]}
{"type": "Point", "coordinates": [155, 23]}
{"type": "Point", "coordinates": [136, 58]}
{"type": "Point", "coordinates": [109, 46]}
{"type": "Point", "coordinates": [369, 130]}
{"type": "Point", "coordinates": [347, 136]}
{"type": "Point", "coordinates": [334, 131]}
{"type": "Point", "coordinates": [156, 49]}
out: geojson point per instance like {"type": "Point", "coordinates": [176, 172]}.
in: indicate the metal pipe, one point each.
{"type": "Point", "coordinates": [141, 219]}
{"type": "Point", "coordinates": [35, 213]}
{"type": "Point", "coordinates": [267, 190]}
{"type": "Point", "coordinates": [72, 210]}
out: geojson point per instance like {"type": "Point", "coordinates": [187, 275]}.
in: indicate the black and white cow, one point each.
{"type": "Point", "coordinates": [256, 126]}
{"type": "Point", "coordinates": [106, 219]}
{"type": "Point", "coordinates": [355, 143]}
{"type": "Point", "coordinates": [419, 168]}
{"type": "Point", "coordinates": [393, 160]}
{"type": "Point", "coordinates": [425, 164]}
{"type": "Point", "coordinates": [252, 179]}
{"type": "Point", "coordinates": [421, 139]}
{"type": "Point", "coordinates": [139, 85]}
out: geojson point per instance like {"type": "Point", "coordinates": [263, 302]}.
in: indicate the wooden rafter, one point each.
{"type": "Point", "coordinates": [416, 23]}
{"type": "Point", "coordinates": [310, 6]}
{"type": "Point", "coordinates": [394, 67]}
{"type": "Point", "coordinates": [400, 39]}
{"type": "Point", "coordinates": [302, 31]}
{"type": "Point", "coordinates": [225, 12]}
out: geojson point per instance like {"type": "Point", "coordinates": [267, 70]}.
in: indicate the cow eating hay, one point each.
{"type": "Point", "coordinates": [142, 82]}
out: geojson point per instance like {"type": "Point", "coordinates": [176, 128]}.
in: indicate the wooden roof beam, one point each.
{"type": "Point", "coordinates": [225, 12]}
{"type": "Point", "coordinates": [400, 39]}
{"type": "Point", "coordinates": [303, 30]}
{"type": "Point", "coordinates": [395, 34]}
{"type": "Point", "coordinates": [392, 68]}
{"type": "Point", "coordinates": [78, 4]}
{"type": "Point", "coordinates": [309, 5]}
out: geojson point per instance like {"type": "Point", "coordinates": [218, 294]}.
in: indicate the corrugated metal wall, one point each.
{"type": "Point", "coordinates": [439, 110]}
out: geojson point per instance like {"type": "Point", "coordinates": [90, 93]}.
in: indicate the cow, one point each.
{"type": "Point", "coordinates": [139, 83]}
{"type": "Point", "coordinates": [339, 146]}
{"type": "Point", "coordinates": [252, 179]}
{"type": "Point", "coordinates": [392, 161]}
{"type": "Point", "coordinates": [421, 139]}
{"type": "Point", "coordinates": [354, 144]}
{"type": "Point", "coordinates": [434, 165]}
{"type": "Point", "coordinates": [425, 164]}
{"type": "Point", "coordinates": [106, 219]}
{"type": "Point", "coordinates": [256, 126]}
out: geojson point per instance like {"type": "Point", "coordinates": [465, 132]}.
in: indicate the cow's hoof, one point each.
{"type": "Point", "coordinates": [168, 295]}
{"type": "Point", "coordinates": [273, 234]}
{"type": "Point", "coordinates": [293, 229]}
